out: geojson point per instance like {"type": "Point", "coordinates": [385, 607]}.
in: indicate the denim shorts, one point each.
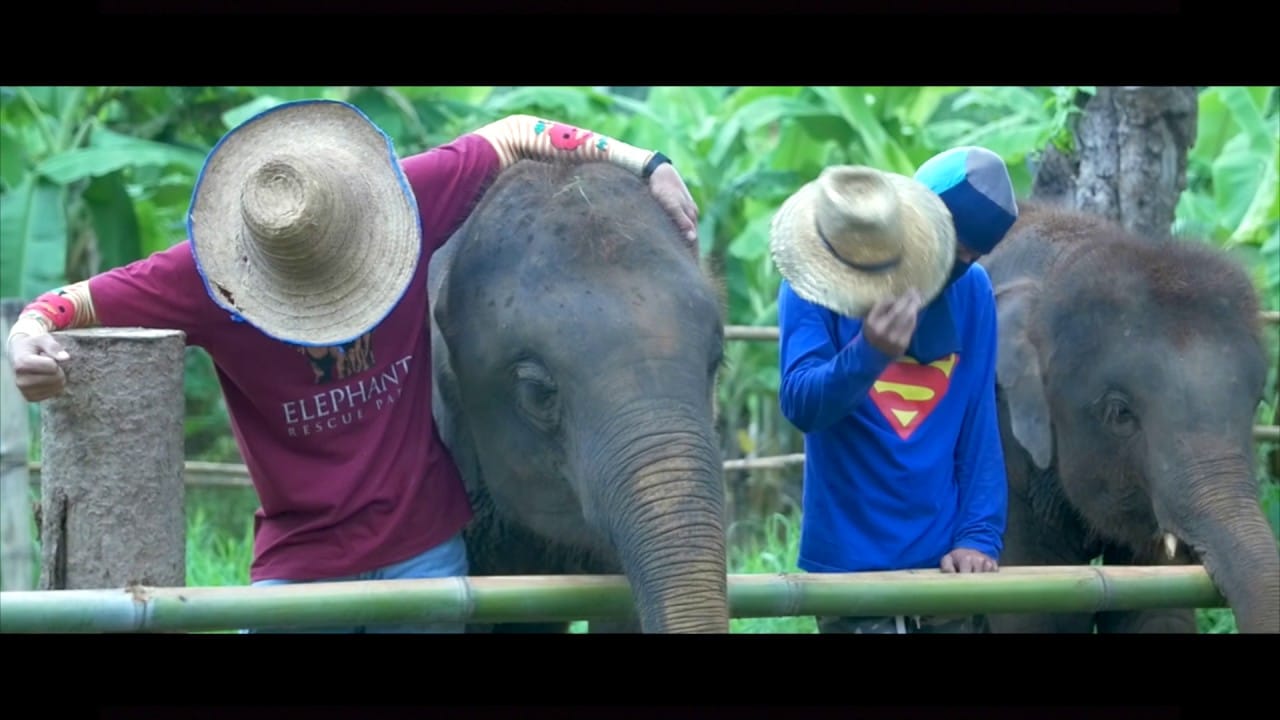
{"type": "Point", "coordinates": [448, 559]}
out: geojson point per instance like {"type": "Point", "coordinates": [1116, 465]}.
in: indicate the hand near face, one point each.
{"type": "Point", "coordinates": [964, 560]}
{"type": "Point", "coordinates": [891, 323]}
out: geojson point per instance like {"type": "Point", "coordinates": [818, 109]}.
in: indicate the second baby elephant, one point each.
{"type": "Point", "coordinates": [576, 343]}
{"type": "Point", "coordinates": [1130, 371]}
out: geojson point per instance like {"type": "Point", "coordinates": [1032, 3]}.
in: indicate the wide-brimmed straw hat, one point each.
{"type": "Point", "coordinates": [856, 235]}
{"type": "Point", "coordinates": [303, 223]}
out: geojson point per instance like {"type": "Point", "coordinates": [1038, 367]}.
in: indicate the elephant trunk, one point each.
{"type": "Point", "coordinates": [1218, 514]}
{"type": "Point", "coordinates": [661, 503]}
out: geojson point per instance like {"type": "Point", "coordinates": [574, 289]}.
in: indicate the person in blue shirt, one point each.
{"type": "Point", "coordinates": [887, 355]}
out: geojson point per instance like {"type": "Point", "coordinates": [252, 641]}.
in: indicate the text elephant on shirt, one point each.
{"type": "Point", "coordinates": [1129, 376]}
{"type": "Point", "coordinates": [576, 344]}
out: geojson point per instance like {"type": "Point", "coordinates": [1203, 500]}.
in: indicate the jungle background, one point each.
{"type": "Point", "coordinates": [95, 177]}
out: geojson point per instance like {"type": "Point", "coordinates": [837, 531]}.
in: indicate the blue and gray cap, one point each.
{"type": "Point", "coordinates": [975, 185]}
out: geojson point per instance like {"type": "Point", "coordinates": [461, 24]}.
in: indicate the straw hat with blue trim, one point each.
{"type": "Point", "coordinates": [856, 235]}
{"type": "Point", "coordinates": [303, 223]}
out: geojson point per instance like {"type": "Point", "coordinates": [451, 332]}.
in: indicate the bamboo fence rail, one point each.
{"type": "Point", "coordinates": [208, 474]}
{"type": "Point", "coordinates": [584, 597]}
{"type": "Point", "coordinates": [236, 475]}
{"type": "Point", "coordinates": [767, 332]}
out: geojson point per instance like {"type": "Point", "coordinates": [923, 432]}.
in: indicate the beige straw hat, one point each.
{"type": "Point", "coordinates": [856, 235]}
{"type": "Point", "coordinates": [303, 224]}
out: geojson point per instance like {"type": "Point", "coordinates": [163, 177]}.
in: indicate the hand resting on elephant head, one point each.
{"type": "Point", "coordinates": [672, 194]}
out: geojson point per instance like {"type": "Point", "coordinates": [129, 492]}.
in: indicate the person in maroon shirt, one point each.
{"type": "Point", "coordinates": [304, 278]}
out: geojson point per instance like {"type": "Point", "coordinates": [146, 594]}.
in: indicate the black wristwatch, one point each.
{"type": "Point", "coordinates": [657, 159]}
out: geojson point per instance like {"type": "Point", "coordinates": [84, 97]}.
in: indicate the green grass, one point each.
{"type": "Point", "coordinates": [772, 547]}
{"type": "Point", "coordinates": [220, 549]}
{"type": "Point", "coordinates": [216, 557]}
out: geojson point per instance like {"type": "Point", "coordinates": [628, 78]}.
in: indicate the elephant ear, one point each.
{"type": "Point", "coordinates": [447, 406]}
{"type": "Point", "coordinates": [1018, 371]}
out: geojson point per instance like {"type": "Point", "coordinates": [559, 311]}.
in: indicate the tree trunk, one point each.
{"type": "Point", "coordinates": [111, 485]}
{"type": "Point", "coordinates": [1130, 159]}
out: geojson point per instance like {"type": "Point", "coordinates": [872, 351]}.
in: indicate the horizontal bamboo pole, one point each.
{"type": "Point", "coordinates": [770, 332]}
{"type": "Point", "coordinates": [579, 597]}
{"type": "Point", "coordinates": [210, 474]}
{"type": "Point", "coordinates": [236, 475]}
{"type": "Point", "coordinates": [774, 462]}
{"type": "Point", "coordinates": [750, 332]}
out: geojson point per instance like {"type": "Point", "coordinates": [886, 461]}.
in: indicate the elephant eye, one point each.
{"type": "Point", "coordinates": [1117, 415]}
{"type": "Point", "coordinates": [536, 395]}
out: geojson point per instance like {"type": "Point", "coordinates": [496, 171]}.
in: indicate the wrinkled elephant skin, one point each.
{"type": "Point", "coordinates": [1129, 375]}
{"type": "Point", "coordinates": [576, 343]}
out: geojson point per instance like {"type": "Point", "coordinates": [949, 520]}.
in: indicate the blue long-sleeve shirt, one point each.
{"type": "Point", "coordinates": [903, 460]}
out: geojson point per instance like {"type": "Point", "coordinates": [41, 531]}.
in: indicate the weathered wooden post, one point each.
{"type": "Point", "coordinates": [111, 483]}
{"type": "Point", "coordinates": [17, 551]}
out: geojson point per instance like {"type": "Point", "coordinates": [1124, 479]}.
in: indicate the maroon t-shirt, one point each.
{"type": "Point", "coordinates": [342, 448]}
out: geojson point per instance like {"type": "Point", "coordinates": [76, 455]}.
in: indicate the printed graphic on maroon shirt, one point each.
{"type": "Point", "coordinates": [363, 393]}
{"type": "Point", "coordinates": [340, 361]}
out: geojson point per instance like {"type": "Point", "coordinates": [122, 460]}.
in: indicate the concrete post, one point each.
{"type": "Point", "coordinates": [111, 484]}
{"type": "Point", "coordinates": [17, 549]}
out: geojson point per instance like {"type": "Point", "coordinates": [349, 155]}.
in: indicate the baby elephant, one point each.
{"type": "Point", "coordinates": [576, 342]}
{"type": "Point", "coordinates": [1129, 375]}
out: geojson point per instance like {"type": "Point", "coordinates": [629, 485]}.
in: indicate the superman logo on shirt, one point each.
{"type": "Point", "coordinates": [907, 392]}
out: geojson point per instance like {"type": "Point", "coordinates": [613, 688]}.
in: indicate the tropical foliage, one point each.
{"type": "Point", "coordinates": [95, 177]}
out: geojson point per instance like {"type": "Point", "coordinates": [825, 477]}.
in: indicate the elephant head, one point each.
{"type": "Point", "coordinates": [583, 342]}
{"type": "Point", "coordinates": [1136, 367]}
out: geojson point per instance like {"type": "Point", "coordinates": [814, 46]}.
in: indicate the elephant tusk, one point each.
{"type": "Point", "coordinates": [1170, 545]}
